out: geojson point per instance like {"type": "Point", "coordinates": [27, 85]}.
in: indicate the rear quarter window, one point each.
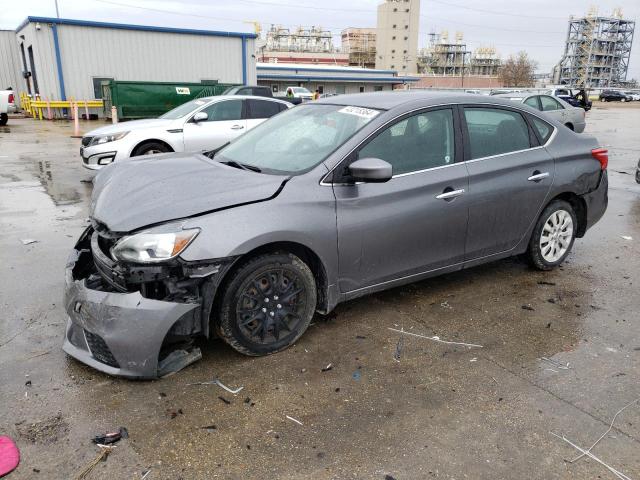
{"type": "Point", "coordinates": [542, 128]}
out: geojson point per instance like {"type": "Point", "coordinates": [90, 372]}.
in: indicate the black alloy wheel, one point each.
{"type": "Point", "coordinates": [268, 304]}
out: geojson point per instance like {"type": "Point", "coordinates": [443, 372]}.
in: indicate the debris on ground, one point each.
{"type": "Point", "coordinates": [544, 282]}
{"type": "Point", "coordinates": [356, 375]}
{"type": "Point", "coordinates": [177, 360]}
{"type": "Point", "coordinates": [435, 338]}
{"type": "Point", "coordinates": [228, 402]}
{"type": "Point", "coordinates": [102, 456]}
{"type": "Point", "coordinates": [399, 348]}
{"type": "Point", "coordinates": [209, 428]}
{"type": "Point", "coordinates": [220, 384]}
{"type": "Point", "coordinates": [145, 474]}
{"type": "Point", "coordinates": [528, 307]}
{"type": "Point", "coordinates": [109, 438]}
{"type": "Point", "coordinates": [389, 477]}
{"type": "Point", "coordinates": [556, 364]}
{"type": "Point", "coordinates": [28, 241]}
{"type": "Point", "coordinates": [446, 306]}
{"type": "Point", "coordinates": [327, 368]}
{"type": "Point", "coordinates": [174, 413]}
{"type": "Point", "coordinates": [294, 420]}
{"type": "Point", "coordinates": [626, 237]}
{"type": "Point", "coordinates": [617, 473]}
{"type": "Point", "coordinates": [360, 337]}
{"type": "Point", "coordinates": [9, 455]}
{"type": "Point", "coordinates": [608, 430]}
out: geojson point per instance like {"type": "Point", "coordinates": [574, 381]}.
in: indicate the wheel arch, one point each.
{"type": "Point", "coordinates": [579, 207]}
{"type": "Point", "coordinates": [570, 126]}
{"type": "Point", "coordinates": [306, 254]}
{"type": "Point", "coordinates": [151, 140]}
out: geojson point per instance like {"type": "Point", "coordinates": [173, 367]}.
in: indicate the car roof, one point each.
{"type": "Point", "coordinates": [389, 100]}
{"type": "Point", "coordinates": [242, 97]}
{"type": "Point", "coordinates": [518, 95]}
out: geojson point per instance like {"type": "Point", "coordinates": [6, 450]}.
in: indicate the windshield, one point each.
{"type": "Point", "coordinates": [184, 109]}
{"type": "Point", "coordinates": [297, 139]}
{"type": "Point", "coordinates": [300, 90]}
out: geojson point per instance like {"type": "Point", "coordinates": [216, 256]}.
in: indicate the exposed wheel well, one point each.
{"type": "Point", "coordinates": [579, 206]}
{"type": "Point", "coordinates": [569, 125]}
{"type": "Point", "coordinates": [307, 255]}
{"type": "Point", "coordinates": [134, 152]}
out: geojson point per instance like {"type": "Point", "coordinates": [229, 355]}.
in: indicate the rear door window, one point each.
{"type": "Point", "coordinates": [493, 131]}
{"type": "Point", "coordinates": [262, 108]}
{"type": "Point", "coordinates": [549, 103]}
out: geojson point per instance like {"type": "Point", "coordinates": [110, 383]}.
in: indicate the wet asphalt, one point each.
{"type": "Point", "coordinates": [408, 408]}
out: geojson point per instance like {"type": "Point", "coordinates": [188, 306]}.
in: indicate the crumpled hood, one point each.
{"type": "Point", "coordinates": [142, 191]}
{"type": "Point", "coordinates": [132, 125]}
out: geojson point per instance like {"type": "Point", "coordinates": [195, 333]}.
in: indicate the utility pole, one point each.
{"type": "Point", "coordinates": [57, 11]}
{"type": "Point", "coordinates": [462, 73]}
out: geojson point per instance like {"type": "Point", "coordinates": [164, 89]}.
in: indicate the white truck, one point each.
{"type": "Point", "coordinates": [7, 105]}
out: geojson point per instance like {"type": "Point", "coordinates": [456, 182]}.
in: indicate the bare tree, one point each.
{"type": "Point", "coordinates": [517, 71]}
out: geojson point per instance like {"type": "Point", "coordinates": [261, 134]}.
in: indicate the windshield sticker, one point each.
{"type": "Point", "coordinates": [360, 112]}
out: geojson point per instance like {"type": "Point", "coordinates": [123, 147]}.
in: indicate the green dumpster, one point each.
{"type": "Point", "coordinates": [151, 99]}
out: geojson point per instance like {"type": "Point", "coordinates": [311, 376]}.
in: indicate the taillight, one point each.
{"type": "Point", "coordinates": [11, 98]}
{"type": "Point", "coordinates": [602, 155]}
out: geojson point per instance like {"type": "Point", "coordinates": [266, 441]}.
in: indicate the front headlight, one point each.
{"type": "Point", "coordinates": [148, 247]}
{"type": "Point", "coordinates": [100, 139]}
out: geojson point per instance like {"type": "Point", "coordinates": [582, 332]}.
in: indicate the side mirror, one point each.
{"type": "Point", "coordinates": [200, 117]}
{"type": "Point", "coordinates": [371, 170]}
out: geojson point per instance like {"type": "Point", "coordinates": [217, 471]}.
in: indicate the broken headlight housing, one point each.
{"type": "Point", "coordinates": [112, 137]}
{"type": "Point", "coordinates": [155, 245]}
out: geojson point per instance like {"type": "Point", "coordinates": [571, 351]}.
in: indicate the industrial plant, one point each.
{"type": "Point", "coordinates": [597, 51]}
{"type": "Point", "coordinates": [453, 58]}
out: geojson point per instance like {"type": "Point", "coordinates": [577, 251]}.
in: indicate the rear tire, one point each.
{"type": "Point", "coordinates": [4, 118]}
{"type": "Point", "coordinates": [150, 148]}
{"type": "Point", "coordinates": [267, 305]}
{"type": "Point", "coordinates": [553, 236]}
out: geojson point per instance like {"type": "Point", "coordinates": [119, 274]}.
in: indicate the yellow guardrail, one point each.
{"type": "Point", "coordinates": [36, 106]}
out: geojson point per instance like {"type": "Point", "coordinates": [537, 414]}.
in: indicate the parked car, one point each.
{"type": "Point", "coordinates": [255, 90]}
{"type": "Point", "coordinates": [571, 117]}
{"type": "Point", "coordinates": [200, 124]}
{"type": "Point", "coordinates": [614, 96]}
{"type": "Point", "coordinates": [298, 92]}
{"type": "Point", "coordinates": [7, 105]}
{"type": "Point", "coordinates": [635, 96]}
{"type": "Point", "coordinates": [329, 201]}
{"type": "Point", "coordinates": [571, 97]}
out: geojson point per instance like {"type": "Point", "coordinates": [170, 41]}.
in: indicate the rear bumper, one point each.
{"type": "Point", "coordinates": [118, 333]}
{"type": "Point", "coordinates": [597, 201]}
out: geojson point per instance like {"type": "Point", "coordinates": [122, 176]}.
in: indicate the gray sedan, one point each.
{"type": "Point", "coordinates": [554, 107]}
{"type": "Point", "coordinates": [326, 202]}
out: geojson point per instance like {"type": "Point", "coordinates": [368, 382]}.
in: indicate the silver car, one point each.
{"type": "Point", "coordinates": [200, 124]}
{"type": "Point", "coordinates": [556, 108]}
{"type": "Point", "coordinates": [329, 201]}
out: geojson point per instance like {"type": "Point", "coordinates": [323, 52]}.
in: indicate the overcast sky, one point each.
{"type": "Point", "coordinates": [509, 25]}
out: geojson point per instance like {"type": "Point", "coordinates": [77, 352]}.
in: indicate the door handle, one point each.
{"type": "Point", "coordinates": [536, 177]}
{"type": "Point", "coordinates": [447, 195]}
{"type": "Point", "coordinates": [237, 127]}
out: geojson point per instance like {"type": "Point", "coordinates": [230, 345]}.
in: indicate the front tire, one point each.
{"type": "Point", "coordinates": [4, 118]}
{"type": "Point", "coordinates": [267, 305]}
{"type": "Point", "coordinates": [553, 236]}
{"type": "Point", "coordinates": [150, 148]}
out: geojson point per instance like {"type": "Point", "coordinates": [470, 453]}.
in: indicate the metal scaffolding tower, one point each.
{"type": "Point", "coordinates": [597, 51]}
{"type": "Point", "coordinates": [443, 57]}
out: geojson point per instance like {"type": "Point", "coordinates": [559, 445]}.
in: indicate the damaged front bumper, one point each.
{"type": "Point", "coordinates": [133, 321]}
